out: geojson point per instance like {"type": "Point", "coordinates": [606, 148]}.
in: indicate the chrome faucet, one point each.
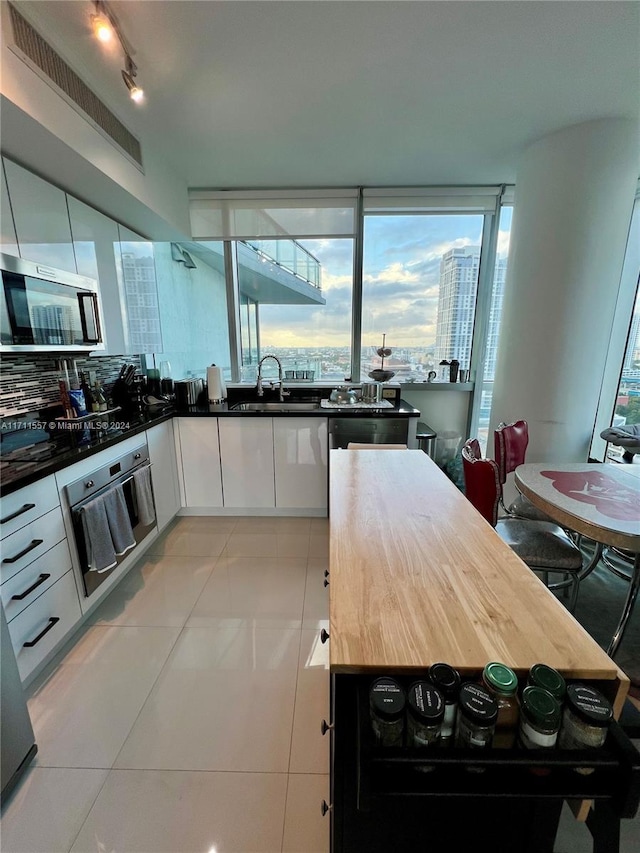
{"type": "Point", "coordinates": [259, 388]}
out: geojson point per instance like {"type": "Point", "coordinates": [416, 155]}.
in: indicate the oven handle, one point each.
{"type": "Point", "coordinates": [126, 477]}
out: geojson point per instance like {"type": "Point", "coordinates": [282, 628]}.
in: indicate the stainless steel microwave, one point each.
{"type": "Point", "coordinates": [44, 309]}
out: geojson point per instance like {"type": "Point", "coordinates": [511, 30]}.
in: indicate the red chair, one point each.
{"type": "Point", "coordinates": [510, 448]}
{"type": "Point", "coordinates": [542, 545]}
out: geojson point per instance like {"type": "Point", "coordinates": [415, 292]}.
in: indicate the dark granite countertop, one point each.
{"type": "Point", "coordinates": [35, 445]}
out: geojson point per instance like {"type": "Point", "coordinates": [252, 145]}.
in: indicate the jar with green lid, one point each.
{"type": "Point", "coordinates": [386, 708]}
{"type": "Point", "coordinates": [585, 721]}
{"type": "Point", "coordinates": [541, 675]}
{"type": "Point", "coordinates": [540, 714]}
{"type": "Point", "coordinates": [477, 715]}
{"type": "Point", "coordinates": [425, 712]}
{"type": "Point", "coordinates": [446, 679]}
{"type": "Point", "coordinates": [502, 682]}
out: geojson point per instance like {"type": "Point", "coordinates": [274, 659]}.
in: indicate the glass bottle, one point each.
{"type": "Point", "coordinates": [447, 680]}
{"type": "Point", "coordinates": [386, 706]}
{"type": "Point", "coordinates": [425, 712]}
{"type": "Point", "coordinates": [585, 721]}
{"type": "Point", "coordinates": [541, 675]}
{"type": "Point", "coordinates": [99, 400]}
{"type": "Point", "coordinates": [540, 714]}
{"type": "Point", "coordinates": [502, 682]}
{"type": "Point", "coordinates": [166, 380]}
{"type": "Point", "coordinates": [477, 715]}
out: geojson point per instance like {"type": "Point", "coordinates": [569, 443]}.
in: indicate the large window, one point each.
{"type": "Point", "coordinates": [295, 303]}
{"type": "Point", "coordinates": [420, 280]}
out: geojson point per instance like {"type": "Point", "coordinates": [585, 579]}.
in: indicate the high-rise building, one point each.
{"type": "Point", "coordinates": [456, 307]}
{"type": "Point", "coordinates": [633, 345]}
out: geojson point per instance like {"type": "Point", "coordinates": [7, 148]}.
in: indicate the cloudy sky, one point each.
{"type": "Point", "coordinates": [400, 287]}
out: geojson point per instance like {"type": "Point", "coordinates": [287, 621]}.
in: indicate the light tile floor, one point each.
{"type": "Point", "coordinates": [186, 714]}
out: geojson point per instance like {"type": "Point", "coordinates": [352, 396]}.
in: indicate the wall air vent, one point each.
{"type": "Point", "coordinates": [45, 61]}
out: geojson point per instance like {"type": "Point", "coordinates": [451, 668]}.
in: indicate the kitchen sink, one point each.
{"type": "Point", "coordinates": [276, 406]}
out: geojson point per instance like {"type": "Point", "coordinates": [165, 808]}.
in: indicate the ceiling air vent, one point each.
{"type": "Point", "coordinates": [43, 58]}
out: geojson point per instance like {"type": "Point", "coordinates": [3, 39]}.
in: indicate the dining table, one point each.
{"type": "Point", "coordinates": [598, 500]}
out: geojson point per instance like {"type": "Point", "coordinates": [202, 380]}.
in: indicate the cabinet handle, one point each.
{"type": "Point", "coordinates": [23, 508]}
{"type": "Point", "coordinates": [325, 807]}
{"type": "Point", "coordinates": [24, 594]}
{"type": "Point", "coordinates": [34, 544]}
{"type": "Point", "coordinates": [137, 455]}
{"type": "Point", "coordinates": [52, 622]}
{"type": "Point", "coordinates": [325, 727]}
{"type": "Point", "coordinates": [324, 636]}
{"type": "Point", "coordinates": [326, 573]}
{"type": "Point", "coordinates": [326, 582]}
{"type": "Point", "coordinates": [89, 484]}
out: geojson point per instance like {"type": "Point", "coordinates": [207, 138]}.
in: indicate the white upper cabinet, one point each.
{"type": "Point", "coordinates": [300, 453]}
{"type": "Point", "coordinates": [96, 243]}
{"type": "Point", "coordinates": [136, 270]}
{"type": "Point", "coordinates": [246, 454]}
{"type": "Point", "coordinates": [41, 219]}
{"type": "Point", "coordinates": [7, 228]}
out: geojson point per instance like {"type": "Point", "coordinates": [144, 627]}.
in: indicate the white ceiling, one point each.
{"type": "Point", "coordinates": [270, 94]}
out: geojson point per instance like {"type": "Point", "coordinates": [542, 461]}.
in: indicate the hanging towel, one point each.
{"type": "Point", "coordinates": [144, 496]}
{"type": "Point", "coordinates": [119, 521]}
{"type": "Point", "coordinates": [101, 554]}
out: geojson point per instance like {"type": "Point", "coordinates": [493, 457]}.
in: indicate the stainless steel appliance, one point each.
{"type": "Point", "coordinates": [368, 431]}
{"type": "Point", "coordinates": [118, 473]}
{"type": "Point", "coordinates": [18, 744]}
{"type": "Point", "coordinates": [42, 308]}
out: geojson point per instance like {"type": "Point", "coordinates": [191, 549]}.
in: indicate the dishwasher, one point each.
{"type": "Point", "coordinates": [367, 431]}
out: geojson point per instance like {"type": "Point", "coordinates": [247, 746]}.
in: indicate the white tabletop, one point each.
{"type": "Point", "coordinates": [601, 500]}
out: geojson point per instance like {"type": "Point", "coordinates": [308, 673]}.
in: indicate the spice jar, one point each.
{"type": "Point", "coordinates": [541, 675]}
{"type": "Point", "coordinates": [386, 707]}
{"type": "Point", "coordinates": [447, 680]}
{"type": "Point", "coordinates": [585, 721]}
{"type": "Point", "coordinates": [477, 715]}
{"type": "Point", "coordinates": [425, 712]}
{"type": "Point", "coordinates": [540, 714]}
{"type": "Point", "coordinates": [502, 682]}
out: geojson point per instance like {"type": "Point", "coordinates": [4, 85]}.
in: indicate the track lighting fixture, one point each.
{"type": "Point", "coordinates": [105, 26]}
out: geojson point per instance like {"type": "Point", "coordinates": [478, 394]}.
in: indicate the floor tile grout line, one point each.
{"type": "Point", "coordinates": [89, 810]}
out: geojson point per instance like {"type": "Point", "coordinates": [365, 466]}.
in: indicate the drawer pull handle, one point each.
{"type": "Point", "coordinates": [325, 807]}
{"type": "Point", "coordinates": [325, 727]}
{"type": "Point", "coordinates": [326, 581]}
{"type": "Point", "coordinates": [326, 573]}
{"type": "Point", "coordinates": [52, 622]}
{"type": "Point", "coordinates": [34, 544]}
{"type": "Point", "coordinates": [23, 508]}
{"type": "Point", "coordinates": [43, 577]}
{"type": "Point", "coordinates": [324, 636]}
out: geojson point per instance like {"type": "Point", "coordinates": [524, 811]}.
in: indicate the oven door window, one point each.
{"type": "Point", "coordinates": [43, 312]}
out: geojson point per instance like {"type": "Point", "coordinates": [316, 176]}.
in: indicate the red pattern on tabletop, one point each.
{"type": "Point", "coordinates": [607, 495]}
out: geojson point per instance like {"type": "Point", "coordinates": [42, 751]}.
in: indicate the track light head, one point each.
{"type": "Point", "coordinates": [135, 92]}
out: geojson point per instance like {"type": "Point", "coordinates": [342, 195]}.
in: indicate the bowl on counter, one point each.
{"type": "Point", "coordinates": [382, 375]}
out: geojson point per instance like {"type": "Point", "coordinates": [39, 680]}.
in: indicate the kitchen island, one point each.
{"type": "Point", "coordinates": [417, 576]}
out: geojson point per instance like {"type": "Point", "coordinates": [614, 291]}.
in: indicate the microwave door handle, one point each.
{"type": "Point", "coordinates": [89, 318]}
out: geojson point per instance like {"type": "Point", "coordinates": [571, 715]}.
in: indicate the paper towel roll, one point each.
{"type": "Point", "coordinates": [216, 388]}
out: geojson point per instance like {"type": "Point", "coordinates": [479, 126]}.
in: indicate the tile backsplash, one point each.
{"type": "Point", "coordinates": [29, 382]}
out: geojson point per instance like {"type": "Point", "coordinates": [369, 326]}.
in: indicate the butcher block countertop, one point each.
{"type": "Point", "coordinates": [418, 576]}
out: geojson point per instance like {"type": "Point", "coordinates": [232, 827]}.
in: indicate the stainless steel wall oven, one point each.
{"type": "Point", "coordinates": [121, 475]}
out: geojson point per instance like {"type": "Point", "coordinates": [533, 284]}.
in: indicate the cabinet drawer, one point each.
{"type": "Point", "coordinates": [27, 504]}
{"type": "Point", "coordinates": [36, 623]}
{"type": "Point", "coordinates": [35, 579]}
{"type": "Point", "coordinates": [30, 542]}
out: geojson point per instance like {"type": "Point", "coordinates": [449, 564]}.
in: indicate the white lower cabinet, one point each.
{"type": "Point", "coordinates": [199, 464]}
{"type": "Point", "coordinates": [300, 455]}
{"type": "Point", "coordinates": [22, 589]}
{"type": "Point", "coordinates": [43, 624]}
{"type": "Point", "coordinates": [246, 454]}
{"type": "Point", "coordinates": [164, 472]}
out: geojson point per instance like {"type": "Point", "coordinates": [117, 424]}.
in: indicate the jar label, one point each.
{"type": "Point", "coordinates": [533, 739]}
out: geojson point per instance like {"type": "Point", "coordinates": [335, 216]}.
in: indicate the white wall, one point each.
{"type": "Point", "coordinates": [573, 202]}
